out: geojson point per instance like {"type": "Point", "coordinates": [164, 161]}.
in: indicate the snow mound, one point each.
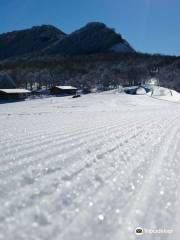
{"type": "Point", "coordinates": [165, 94]}
{"type": "Point", "coordinates": [140, 91]}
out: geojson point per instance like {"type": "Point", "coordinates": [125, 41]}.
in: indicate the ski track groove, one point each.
{"type": "Point", "coordinates": [28, 140]}
{"type": "Point", "coordinates": [55, 136]}
{"type": "Point", "coordinates": [42, 175]}
{"type": "Point", "coordinates": [54, 139]}
{"type": "Point", "coordinates": [43, 172]}
{"type": "Point", "coordinates": [20, 165]}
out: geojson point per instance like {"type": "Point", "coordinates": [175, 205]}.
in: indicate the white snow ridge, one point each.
{"type": "Point", "coordinates": [121, 48]}
{"type": "Point", "coordinates": [90, 168]}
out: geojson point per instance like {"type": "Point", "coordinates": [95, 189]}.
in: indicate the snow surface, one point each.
{"type": "Point", "coordinates": [90, 168]}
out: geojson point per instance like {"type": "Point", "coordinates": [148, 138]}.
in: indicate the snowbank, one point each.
{"type": "Point", "coordinates": [165, 94]}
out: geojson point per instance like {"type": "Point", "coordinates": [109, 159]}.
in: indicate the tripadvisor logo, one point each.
{"type": "Point", "coordinates": [139, 231]}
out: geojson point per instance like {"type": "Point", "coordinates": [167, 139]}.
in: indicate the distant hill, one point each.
{"type": "Point", "coordinates": [24, 42]}
{"type": "Point", "coordinates": [94, 37]}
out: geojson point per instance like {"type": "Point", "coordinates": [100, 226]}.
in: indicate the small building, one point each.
{"type": "Point", "coordinates": [130, 90]}
{"type": "Point", "coordinates": [136, 90]}
{"type": "Point", "coordinates": [63, 90]}
{"type": "Point", "coordinates": [151, 82]}
{"type": "Point", "coordinates": [14, 94]}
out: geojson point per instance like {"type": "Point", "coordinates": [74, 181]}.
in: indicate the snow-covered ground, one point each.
{"type": "Point", "coordinates": [89, 168]}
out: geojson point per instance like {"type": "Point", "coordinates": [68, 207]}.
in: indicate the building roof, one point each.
{"type": "Point", "coordinates": [66, 87]}
{"type": "Point", "coordinates": [14, 90]}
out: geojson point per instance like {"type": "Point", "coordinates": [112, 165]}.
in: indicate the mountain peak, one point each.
{"type": "Point", "coordinates": [95, 24]}
{"type": "Point", "coordinates": [94, 37]}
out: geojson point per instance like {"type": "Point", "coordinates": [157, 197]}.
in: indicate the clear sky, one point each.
{"type": "Point", "coordinates": [148, 25]}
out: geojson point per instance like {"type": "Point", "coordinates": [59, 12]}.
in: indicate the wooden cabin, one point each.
{"type": "Point", "coordinates": [151, 82]}
{"type": "Point", "coordinates": [63, 90]}
{"type": "Point", "coordinates": [14, 94]}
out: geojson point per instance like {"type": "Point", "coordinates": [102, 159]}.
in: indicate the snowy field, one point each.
{"type": "Point", "coordinates": [90, 168]}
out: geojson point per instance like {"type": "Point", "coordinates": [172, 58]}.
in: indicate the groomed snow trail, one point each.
{"type": "Point", "coordinates": [90, 168]}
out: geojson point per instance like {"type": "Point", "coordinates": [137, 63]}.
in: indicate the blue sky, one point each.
{"type": "Point", "coordinates": [149, 25]}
